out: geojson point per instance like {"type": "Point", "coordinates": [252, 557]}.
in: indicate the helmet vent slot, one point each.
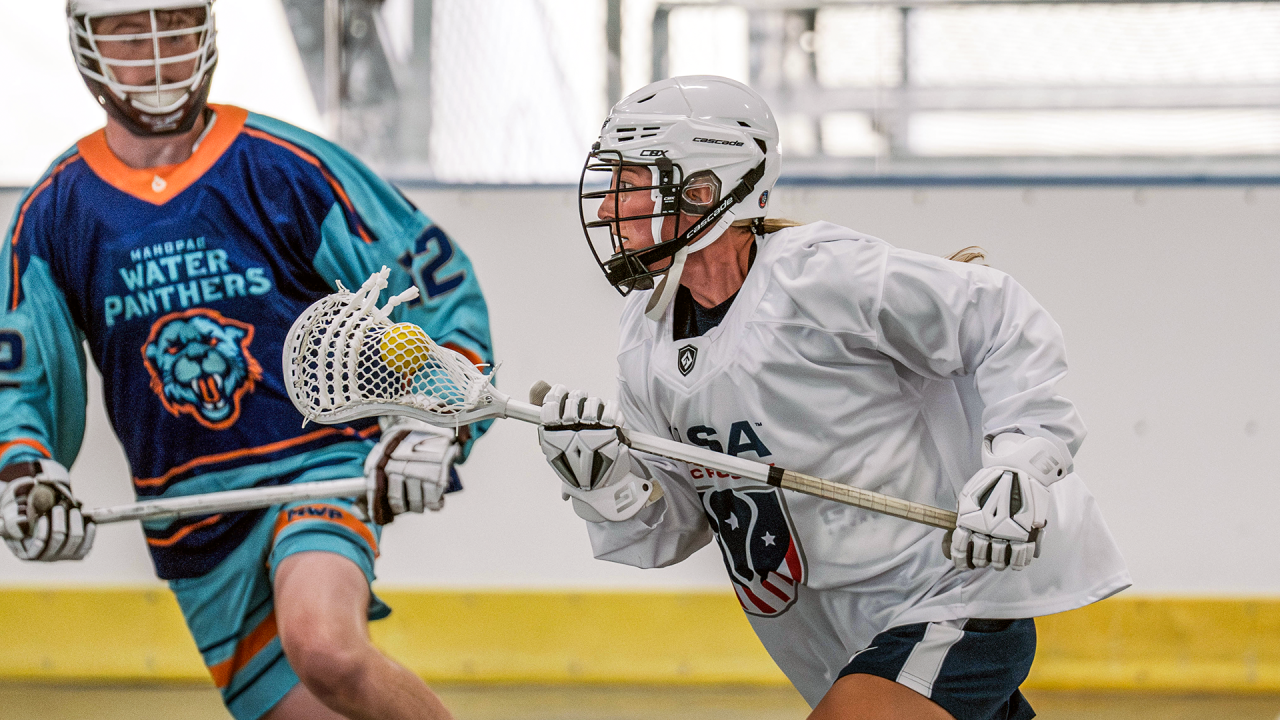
{"type": "Point", "coordinates": [622, 130]}
{"type": "Point", "coordinates": [655, 127]}
{"type": "Point", "coordinates": [763, 149]}
{"type": "Point", "coordinates": [646, 99]}
{"type": "Point", "coordinates": [648, 135]}
{"type": "Point", "coordinates": [743, 124]}
{"type": "Point", "coordinates": [624, 139]}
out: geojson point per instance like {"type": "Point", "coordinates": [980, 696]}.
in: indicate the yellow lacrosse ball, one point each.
{"type": "Point", "coordinates": [404, 348]}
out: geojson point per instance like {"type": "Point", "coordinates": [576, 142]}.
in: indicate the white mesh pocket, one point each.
{"type": "Point", "coordinates": [344, 359]}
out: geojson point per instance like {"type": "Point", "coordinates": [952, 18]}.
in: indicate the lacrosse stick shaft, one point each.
{"type": "Point", "coordinates": [769, 474]}
{"type": "Point", "coordinates": [343, 360]}
{"type": "Point", "coordinates": [227, 501]}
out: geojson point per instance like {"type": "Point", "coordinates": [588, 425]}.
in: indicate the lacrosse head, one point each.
{"type": "Point", "coordinates": [344, 359]}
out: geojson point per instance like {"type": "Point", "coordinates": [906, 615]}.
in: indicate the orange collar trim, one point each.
{"type": "Point", "coordinates": [159, 185]}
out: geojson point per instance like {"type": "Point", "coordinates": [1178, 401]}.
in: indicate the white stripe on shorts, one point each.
{"type": "Point", "coordinates": [925, 661]}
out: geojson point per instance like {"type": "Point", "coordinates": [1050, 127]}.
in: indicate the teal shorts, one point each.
{"type": "Point", "coordinates": [231, 609]}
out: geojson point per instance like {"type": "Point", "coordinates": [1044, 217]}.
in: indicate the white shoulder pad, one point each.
{"type": "Point", "coordinates": [824, 276]}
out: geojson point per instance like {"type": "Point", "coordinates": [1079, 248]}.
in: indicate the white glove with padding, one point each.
{"type": "Point", "coordinates": [409, 469]}
{"type": "Point", "coordinates": [1004, 507]}
{"type": "Point", "coordinates": [582, 439]}
{"type": "Point", "coordinates": [40, 518]}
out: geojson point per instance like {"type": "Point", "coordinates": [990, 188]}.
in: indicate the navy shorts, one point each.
{"type": "Point", "coordinates": [971, 668]}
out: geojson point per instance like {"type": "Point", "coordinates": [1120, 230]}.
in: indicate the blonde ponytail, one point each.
{"type": "Point", "coordinates": [970, 254]}
{"type": "Point", "coordinates": [769, 225]}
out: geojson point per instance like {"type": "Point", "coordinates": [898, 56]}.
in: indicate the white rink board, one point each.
{"type": "Point", "coordinates": [1169, 298]}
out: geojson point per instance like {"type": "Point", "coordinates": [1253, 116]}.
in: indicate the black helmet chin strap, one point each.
{"type": "Point", "coordinates": [621, 265]}
{"type": "Point", "coordinates": [666, 185]}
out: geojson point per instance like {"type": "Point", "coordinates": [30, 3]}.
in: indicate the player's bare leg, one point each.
{"type": "Point", "coordinates": [321, 600]}
{"type": "Point", "coordinates": [300, 703]}
{"type": "Point", "coordinates": [869, 697]}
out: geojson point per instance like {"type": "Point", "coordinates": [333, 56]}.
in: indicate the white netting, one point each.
{"type": "Point", "coordinates": [517, 88]}
{"type": "Point", "coordinates": [345, 359]}
{"type": "Point", "coordinates": [1042, 79]}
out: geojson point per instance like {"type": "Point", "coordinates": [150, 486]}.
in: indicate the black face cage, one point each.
{"type": "Point", "coordinates": [635, 269]}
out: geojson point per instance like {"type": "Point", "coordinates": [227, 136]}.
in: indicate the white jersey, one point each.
{"type": "Point", "coordinates": [846, 358]}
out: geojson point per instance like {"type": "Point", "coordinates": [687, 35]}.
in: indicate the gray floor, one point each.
{"type": "Point", "coordinates": [40, 702]}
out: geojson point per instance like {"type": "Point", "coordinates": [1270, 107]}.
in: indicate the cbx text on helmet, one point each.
{"type": "Point", "coordinates": [696, 131]}
{"type": "Point", "coordinates": [162, 105]}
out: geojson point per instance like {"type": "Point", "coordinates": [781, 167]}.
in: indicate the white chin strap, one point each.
{"type": "Point", "coordinates": [666, 289]}
{"type": "Point", "coordinates": [158, 102]}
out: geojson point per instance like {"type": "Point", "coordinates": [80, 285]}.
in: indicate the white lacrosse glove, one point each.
{"type": "Point", "coordinates": [56, 532]}
{"type": "Point", "coordinates": [583, 441]}
{"type": "Point", "coordinates": [409, 469]}
{"type": "Point", "coordinates": [1005, 506]}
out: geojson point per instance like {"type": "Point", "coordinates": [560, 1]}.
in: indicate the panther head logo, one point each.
{"type": "Point", "coordinates": [200, 365]}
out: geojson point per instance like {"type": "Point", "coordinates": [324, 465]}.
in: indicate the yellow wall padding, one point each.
{"type": "Point", "coordinates": [136, 634]}
{"type": "Point", "coordinates": [1162, 643]}
{"type": "Point", "coordinates": [95, 634]}
{"type": "Point", "coordinates": [576, 637]}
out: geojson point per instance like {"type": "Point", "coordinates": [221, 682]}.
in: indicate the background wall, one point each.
{"type": "Point", "coordinates": [1169, 298]}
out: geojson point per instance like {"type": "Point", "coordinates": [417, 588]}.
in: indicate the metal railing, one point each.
{"type": "Point", "coordinates": [784, 68]}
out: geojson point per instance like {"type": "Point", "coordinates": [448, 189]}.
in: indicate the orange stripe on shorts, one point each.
{"type": "Point", "coordinates": [248, 647]}
{"type": "Point", "coordinates": [325, 513]}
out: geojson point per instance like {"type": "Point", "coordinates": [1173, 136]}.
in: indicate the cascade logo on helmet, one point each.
{"type": "Point", "coordinates": [717, 141]}
{"type": "Point", "coordinates": [147, 62]}
{"type": "Point", "coordinates": [687, 211]}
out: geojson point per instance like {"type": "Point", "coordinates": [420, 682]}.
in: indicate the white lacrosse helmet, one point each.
{"type": "Point", "coordinates": [157, 107]}
{"type": "Point", "coordinates": [695, 131]}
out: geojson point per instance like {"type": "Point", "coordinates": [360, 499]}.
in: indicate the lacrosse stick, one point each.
{"type": "Point", "coordinates": [42, 498]}
{"type": "Point", "coordinates": [344, 359]}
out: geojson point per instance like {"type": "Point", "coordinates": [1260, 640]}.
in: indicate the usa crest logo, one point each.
{"type": "Point", "coordinates": [200, 365]}
{"type": "Point", "coordinates": [685, 359]}
{"type": "Point", "coordinates": [759, 546]}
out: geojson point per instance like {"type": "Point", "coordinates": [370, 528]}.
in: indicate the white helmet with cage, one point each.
{"type": "Point", "coordinates": [162, 105]}
{"type": "Point", "coordinates": [694, 133]}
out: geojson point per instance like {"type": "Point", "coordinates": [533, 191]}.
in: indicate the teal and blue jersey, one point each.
{"type": "Point", "coordinates": [184, 280]}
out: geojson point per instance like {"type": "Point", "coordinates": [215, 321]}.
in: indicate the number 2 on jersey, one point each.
{"type": "Point", "coordinates": [432, 285]}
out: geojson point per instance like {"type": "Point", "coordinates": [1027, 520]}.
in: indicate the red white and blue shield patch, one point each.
{"type": "Point", "coordinates": [760, 548]}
